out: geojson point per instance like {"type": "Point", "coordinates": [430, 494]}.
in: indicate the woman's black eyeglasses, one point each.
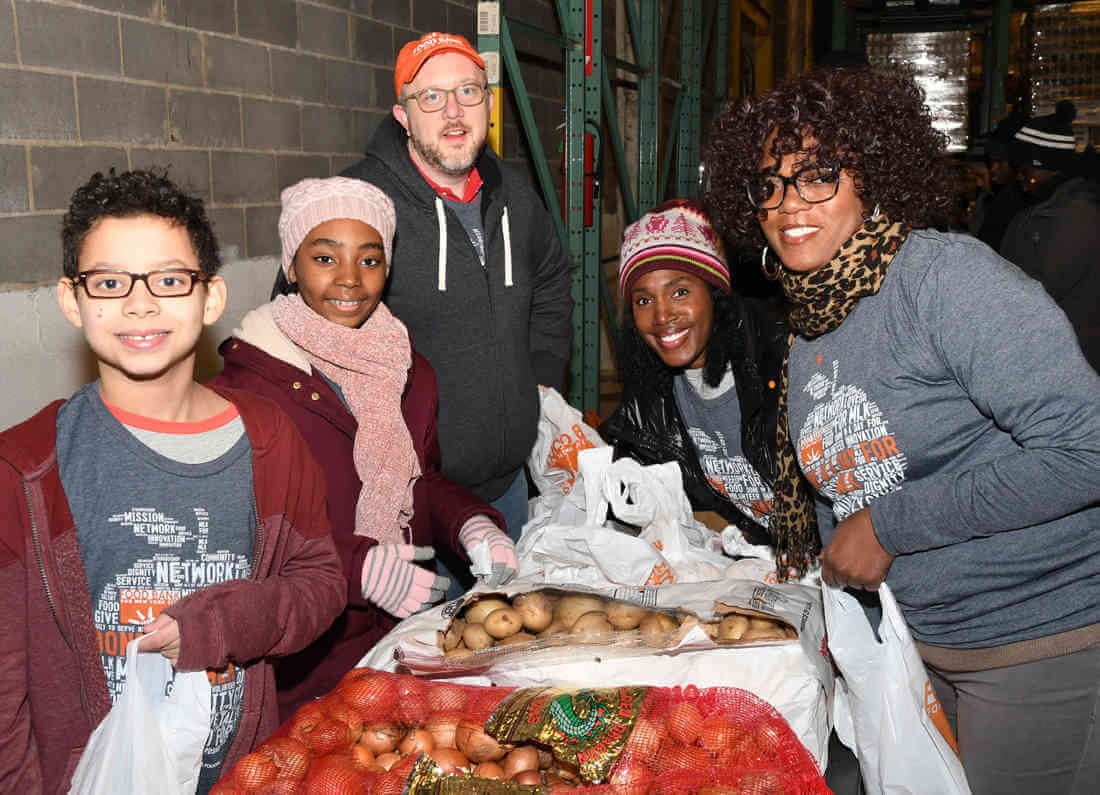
{"type": "Point", "coordinates": [814, 184]}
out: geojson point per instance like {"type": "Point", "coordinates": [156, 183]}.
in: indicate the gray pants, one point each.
{"type": "Point", "coordinates": [1029, 729]}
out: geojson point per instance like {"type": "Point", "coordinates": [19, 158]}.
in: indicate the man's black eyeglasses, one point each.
{"type": "Point", "coordinates": [172, 283]}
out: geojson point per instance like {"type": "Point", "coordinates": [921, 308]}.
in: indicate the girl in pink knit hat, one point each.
{"type": "Point", "coordinates": [699, 366]}
{"type": "Point", "coordinates": [330, 353]}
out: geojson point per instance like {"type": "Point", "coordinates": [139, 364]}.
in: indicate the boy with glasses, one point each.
{"type": "Point", "coordinates": [479, 275]}
{"type": "Point", "coordinates": [148, 508]}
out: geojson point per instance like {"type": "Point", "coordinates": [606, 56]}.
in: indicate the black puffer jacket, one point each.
{"type": "Point", "coordinates": [1057, 241]}
{"type": "Point", "coordinates": [648, 427]}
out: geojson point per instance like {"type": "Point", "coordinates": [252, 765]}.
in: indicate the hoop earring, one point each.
{"type": "Point", "coordinates": [771, 273]}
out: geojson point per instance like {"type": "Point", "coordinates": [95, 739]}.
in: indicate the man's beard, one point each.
{"type": "Point", "coordinates": [455, 165]}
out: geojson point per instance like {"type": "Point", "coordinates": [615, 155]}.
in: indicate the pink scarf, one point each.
{"type": "Point", "coordinates": [371, 365]}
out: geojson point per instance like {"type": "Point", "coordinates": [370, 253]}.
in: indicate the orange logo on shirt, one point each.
{"type": "Point", "coordinates": [141, 605]}
{"type": "Point", "coordinates": [812, 450]}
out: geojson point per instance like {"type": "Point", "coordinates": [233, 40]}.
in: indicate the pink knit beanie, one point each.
{"type": "Point", "coordinates": [677, 236]}
{"type": "Point", "coordinates": [312, 202]}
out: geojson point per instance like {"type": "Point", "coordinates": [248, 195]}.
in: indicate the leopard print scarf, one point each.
{"type": "Point", "coordinates": [822, 299]}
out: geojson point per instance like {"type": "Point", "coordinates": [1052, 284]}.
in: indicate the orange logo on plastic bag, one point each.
{"type": "Point", "coordinates": [563, 454]}
{"type": "Point", "coordinates": [939, 720]}
{"type": "Point", "coordinates": [661, 574]}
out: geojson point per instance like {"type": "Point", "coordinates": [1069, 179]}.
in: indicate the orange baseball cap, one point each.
{"type": "Point", "coordinates": [415, 53]}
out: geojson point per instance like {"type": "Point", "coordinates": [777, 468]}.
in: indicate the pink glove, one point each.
{"type": "Point", "coordinates": [480, 528]}
{"type": "Point", "coordinates": [398, 586]}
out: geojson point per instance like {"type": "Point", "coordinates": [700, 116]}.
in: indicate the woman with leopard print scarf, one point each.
{"type": "Point", "coordinates": [939, 427]}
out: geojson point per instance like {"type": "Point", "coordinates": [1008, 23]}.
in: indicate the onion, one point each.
{"type": "Point", "coordinates": [363, 755]}
{"type": "Point", "coordinates": [417, 741]}
{"type": "Point", "coordinates": [381, 738]}
{"type": "Point", "coordinates": [528, 777]}
{"type": "Point", "coordinates": [443, 728]}
{"type": "Point", "coordinates": [566, 770]}
{"type": "Point", "coordinates": [489, 770]}
{"type": "Point", "coordinates": [526, 757]}
{"type": "Point", "coordinates": [449, 760]}
{"type": "Point", "coordinates": [471, 739]}
{"type": "Point", "coordinates": [630, 777]}
{"type": "Point", "coordinates": [387, 760]}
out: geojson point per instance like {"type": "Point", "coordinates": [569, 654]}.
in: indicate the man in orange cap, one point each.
{"type": "Point", "coordinates": [479, 275]}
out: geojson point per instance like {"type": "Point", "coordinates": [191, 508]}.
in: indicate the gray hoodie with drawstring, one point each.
{"type": "Point", "coordinates": [492, 332]}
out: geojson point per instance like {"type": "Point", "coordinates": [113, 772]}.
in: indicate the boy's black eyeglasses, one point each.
{"type": "Point", "coordinates": [173, 283]}
{"type": "Point", "coordinates": [433, 100]}
{"type": "Point", "coordinates": [814, 184]}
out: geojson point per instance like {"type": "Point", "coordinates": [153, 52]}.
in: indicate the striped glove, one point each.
{"type": "Point", "coordinates": [398, 586]}
{"type": "Point", "coordinates": [479, 529]}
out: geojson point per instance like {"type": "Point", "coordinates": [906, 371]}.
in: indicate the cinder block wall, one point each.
{"type": "Point", "coordinates": [237, 98]}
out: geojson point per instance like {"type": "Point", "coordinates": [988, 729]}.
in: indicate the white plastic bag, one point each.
{"type": "Point", "coordinates": [885, 708]}
{"type": "Point", "coordinates": [152, 739]}
{"type": "Point", "coordinates": [566, 548]}
{"type": "Point", "coordinates": [562, 433]}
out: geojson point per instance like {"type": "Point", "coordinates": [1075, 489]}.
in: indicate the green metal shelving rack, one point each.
{"type": "Point", "coordinates": [590, 110]}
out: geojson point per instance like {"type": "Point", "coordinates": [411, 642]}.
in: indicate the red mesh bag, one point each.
{"type": "Point", "coordinates": [378, 732]}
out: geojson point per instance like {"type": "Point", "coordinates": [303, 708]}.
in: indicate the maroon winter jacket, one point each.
{"type": "Point", "coordinates": [440, 506]}
{"type": "Point", "coordinates": [53, 692]}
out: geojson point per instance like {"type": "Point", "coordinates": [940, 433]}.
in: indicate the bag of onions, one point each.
{"type": "Point", "coordinates": [390, 733]}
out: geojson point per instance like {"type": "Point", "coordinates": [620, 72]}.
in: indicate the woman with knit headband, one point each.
{"type": "Point", "coordinates": [699, 366]}
{"type": "Point", "coordinates": [939, 427]}
{"type": "Point", "coordinates": [332, 356]}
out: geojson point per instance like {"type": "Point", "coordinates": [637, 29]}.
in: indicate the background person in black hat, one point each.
{"type": "Point", "coordinates": [996, 209]}
{"type": "Point", "coordinates": [1057, 239]}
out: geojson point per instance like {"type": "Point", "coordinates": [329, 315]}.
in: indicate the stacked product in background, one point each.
{"type": "Point", "coordinates": [941, 62]}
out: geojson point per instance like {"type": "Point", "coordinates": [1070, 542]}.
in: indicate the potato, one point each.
{"type": "Point", "coordinates": [776, 633]}
{"type": "Point", "coordinates": [733, 626]}
{"type": "Point", "coordinates": [475, 637]}
{"type": "Point", "coordinates": [557, 627]}
{"type": "Point", "coordinates": [535, 610]}
{"type": "Point", "coordinates": [573, 606]}
{"type": "Point", "coordinates": [656, 622]}
{"type": "Point", "coordinates": [655, 626]}
{"type": "Point", "coordinates": [453, 636]}
{"type": "Point", "coordinates": [764, 629]}
{"type": "Point", "coordinates": [519, 637]}
{"type": "Point", "coordinates": [593, 623]}
{"type": "Point", "coordinates": [475, 613]}
{"type": "Point", "coordinates": [503, 622]}
{"type": "Point", "coordinates": [624, 616]}
{"type": "Point", "coordinates": [457, 651]}
{"type": "Point", "coordinates": [689, 622]}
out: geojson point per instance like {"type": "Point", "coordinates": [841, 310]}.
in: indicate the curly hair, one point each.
{"type": "Point", "coordinates": [129, 194]}
{"type": "Point", "coordinates": [640, 366]}
{"type": "Point", "coordinates": [870, 122]}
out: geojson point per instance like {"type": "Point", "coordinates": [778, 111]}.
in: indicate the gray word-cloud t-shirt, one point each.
{"type": "Point", "coordinates": [714, 425]}
{"type": "Point", "coordinates": [154, 529]}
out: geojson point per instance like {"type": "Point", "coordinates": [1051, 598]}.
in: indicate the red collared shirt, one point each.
{"type": "Point", "coordinates": [473, 185]}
